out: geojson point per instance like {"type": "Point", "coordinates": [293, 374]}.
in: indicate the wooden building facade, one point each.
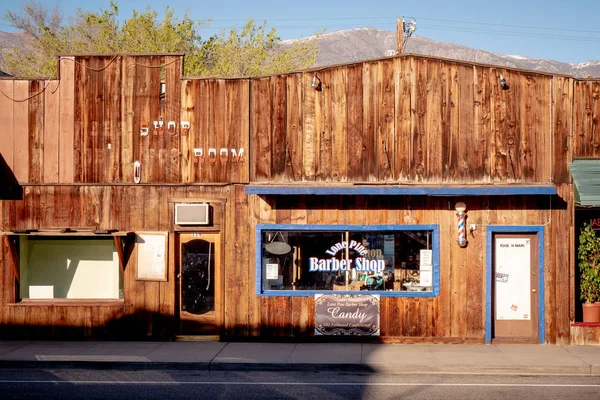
{"type": "Point", "coordinates": [112, 150]}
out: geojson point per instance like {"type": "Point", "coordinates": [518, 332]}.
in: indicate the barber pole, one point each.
{"type": "Point", "coordinates": [462, 237]}
{"type": "Point", "coordinates": [461, 209]}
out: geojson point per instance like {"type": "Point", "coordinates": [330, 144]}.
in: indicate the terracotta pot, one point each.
{"type": "Point", "coordinates": [591, 312]}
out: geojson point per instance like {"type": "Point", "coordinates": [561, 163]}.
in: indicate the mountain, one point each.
{"type": "Point", "coordinates": [367, 43]}
{"type": "Point", "coordinates": [10, 40]}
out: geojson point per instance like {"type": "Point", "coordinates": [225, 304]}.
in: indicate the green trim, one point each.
{"type": "Point", "coordinates": [586, 181]}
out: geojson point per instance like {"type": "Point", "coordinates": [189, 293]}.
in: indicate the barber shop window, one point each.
{"type": "Point", "coordinates": [393, 260]}
{"type": "Point", "coordinates": [69, 268]}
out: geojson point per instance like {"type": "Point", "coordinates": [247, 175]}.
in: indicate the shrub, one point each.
{"type": "Point", "coordinates": [588, 254]}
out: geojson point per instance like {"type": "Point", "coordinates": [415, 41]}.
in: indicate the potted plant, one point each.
{"type": "Point", "coordinates": [588, 254]}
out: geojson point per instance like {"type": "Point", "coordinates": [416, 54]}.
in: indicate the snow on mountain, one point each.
{"type": "Point", "coordinates": [367, 43]}
{"type": "Point", "coordinates": [361, 44]}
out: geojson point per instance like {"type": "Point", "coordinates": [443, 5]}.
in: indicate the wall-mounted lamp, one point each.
{"type": "Point", "coordinates": [461, 213]}
{"type": "Point", "coordinates": [316, 83]}
{"type": "Point", "coordinates": [503, 83]}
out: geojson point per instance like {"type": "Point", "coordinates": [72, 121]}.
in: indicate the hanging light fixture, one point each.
{"type": "Point", "coordinates": [278, 247]}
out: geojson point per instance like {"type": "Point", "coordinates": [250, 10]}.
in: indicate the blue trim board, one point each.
{"type": "Point", "coordinates": [435, 246]}
{"type": "Point", "coordinates": [390, 190]}
{"type": "Point", "coordinates": [490, 230]}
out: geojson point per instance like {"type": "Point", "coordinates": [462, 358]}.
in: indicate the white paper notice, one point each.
{"type": "Point", "coordinates": [272, 271]}
{"type": "Point", "coordinates": [426, 278]}
{"type": "Point", "coordinates": [426, 257]}
{"type": "Point", "coordinates": [158, 258]}
{"type": "Point", "coordinates": [513, 278]}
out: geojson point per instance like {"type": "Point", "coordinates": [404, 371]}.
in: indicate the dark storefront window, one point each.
{"type": "Point", "coordinates": [395, 260]}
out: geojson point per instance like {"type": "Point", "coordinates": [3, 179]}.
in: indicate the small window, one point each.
{"type": "Point", "coordinates": [69, 268]}
{"type": "Point", "coordinates": [394, 260]}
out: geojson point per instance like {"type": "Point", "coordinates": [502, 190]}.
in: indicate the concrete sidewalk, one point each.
{"type": "Point", "coordinates": [387, 358]}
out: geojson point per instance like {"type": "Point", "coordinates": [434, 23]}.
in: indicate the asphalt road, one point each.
{"type": "Point", "coordinates": [112, 384]}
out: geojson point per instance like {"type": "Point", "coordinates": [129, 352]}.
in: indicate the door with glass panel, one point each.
{"type": "Point", "coordinates": [199, 279]}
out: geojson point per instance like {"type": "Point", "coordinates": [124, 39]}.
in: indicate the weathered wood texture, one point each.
{"type": "Point", "coordinates": [409, 119]}
{"type": "Point", "coordinates": [115, 97]}
{"type": "Point", "coordinates": [586, 119]}
{"type": "Point", "coordinates": [217, 111]}
{"type": "Point", "coordinates": [148, 308]}
{"type": "Point", "coordinates": [585, 335]}
{"type": "Point", "coordinates": [459, 311]}
{"type": "Point", "coordinates": [405, 119]}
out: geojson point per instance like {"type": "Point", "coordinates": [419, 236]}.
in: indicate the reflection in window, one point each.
{"type": "Point", "coordinates": [395, 260]}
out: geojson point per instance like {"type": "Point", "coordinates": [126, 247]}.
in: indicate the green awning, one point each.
{"type": "Point", "coordinates": [586, 179]}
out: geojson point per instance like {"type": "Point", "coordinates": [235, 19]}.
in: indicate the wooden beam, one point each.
{"type": "Point", "coordinates": [119, 247]}
{"type": "Point", "coordinates": [11, 244]}
{"type": "Point", "coordinates": [124, 246]}
{"type": "Point", "coordinates": [399, 31]}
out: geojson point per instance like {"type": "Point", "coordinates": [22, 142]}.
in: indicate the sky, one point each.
{"type": "Point", "coordinates": [562, 30]}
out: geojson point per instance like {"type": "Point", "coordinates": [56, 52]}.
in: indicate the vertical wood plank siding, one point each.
{"type": "Point", "coordinates": [402, 120]}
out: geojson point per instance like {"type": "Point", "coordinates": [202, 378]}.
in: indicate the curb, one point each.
{"type": "Point", "coordinates": [113, 365]}
{"type": "Point", "coordinates": [470, 369]}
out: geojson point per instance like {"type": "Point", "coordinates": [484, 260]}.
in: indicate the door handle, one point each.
{"type": "Point", "coordinates": [534, 290]}
{"type": "Point", "coordinates": [178, 276]}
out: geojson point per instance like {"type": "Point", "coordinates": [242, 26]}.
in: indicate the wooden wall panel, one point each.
{"type": "Point", "coordinates": [450, 143]}
{"type": "Point", "coordinates": [586, 109]}
{"type": "Point", "coordinates": [188, 161]}
{"type": "Point", "coordinates": [458, 314]}
{"type": "Point", "coordinates": [130, 126]}
{"type": "Point", "coordinates": [66, 120]}
{"type": "Point", "coordinates": [294, 127]}
{"type": "Point", "coordinates": [339, 124]}
{"type": "Point", "coordinates": [36, 132]}
{"type": "Point", "coordinates": [356, 150]}
{"type": "Point", "coordinates": [542, 124]}
{"type": "Point", "coordinates": [402, 148]}
{"type": "Point", "coordinates": [324, 142]}
{"type": "Point", "coordinates": [369, 131]}
{"type": "Point", "coordinates": [170, 112]}
{"type": "Point", "coordinates": [408, 119]}
{"type": "Point", "coordinates": [561, 260]}
{"type": "Point", "coordinates": [201, 130]}
{"type": "Point", "coordinates": [111, 122]}
{"type": "Point", "coordinates": [482, 126]}
{"type": "Point", "coordinates": [145, 108]}
{"type": "Point", "coordinates": [7, 120]}
{"type": "Point", "coordinates": [386, 129]}
{"type": "Point", "coordinates": [238, 115]}
{"type": "Point", "coordinates": [261, 155]}
{"type": "Point", "coordinates": [51, 132]}
{"type": "Point", "coordinates": [564, 128]}
{"type": "Point", "coordinates": [468, 150]}
{"type": "Point", "coordinates": [311, 127]}
{"type": "Point", "coordinates": [216, 130]}
{"type": "Point", "coordinates": [433, 121]}
{"type": "Point", "coordinates": [149, 307]}
{"type": "Point", "coordinates": [280, 150]}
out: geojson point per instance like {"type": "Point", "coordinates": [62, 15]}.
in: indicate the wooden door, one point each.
{"type": "Point", "coordinates": [199, 279]}
{"type": "Point", "coordinates": [515, 283]}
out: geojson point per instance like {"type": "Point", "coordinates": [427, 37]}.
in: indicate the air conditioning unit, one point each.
{"type": "Point", "coordinates": [193, 214]}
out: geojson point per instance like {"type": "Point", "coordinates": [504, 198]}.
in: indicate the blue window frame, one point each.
{"type": "Point", "coordinates": [389, 260]}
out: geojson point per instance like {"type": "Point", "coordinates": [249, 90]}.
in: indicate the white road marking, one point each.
{"type": "Point", "coordinates": [299, 383]}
